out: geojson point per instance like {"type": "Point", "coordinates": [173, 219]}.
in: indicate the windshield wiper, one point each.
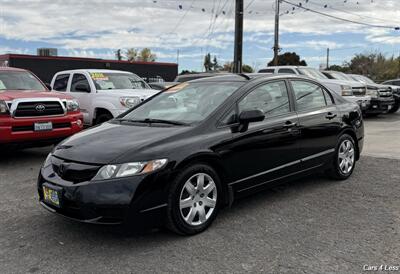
{"type": "Point", "coordinates": [151, 120]}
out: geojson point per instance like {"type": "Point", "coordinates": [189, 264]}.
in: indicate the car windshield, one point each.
{"type": "Point", "coordinates": [339, 76]}
{"type": "Point", "coordinates": [185, 103]}
{"type": "Point", "coordinates": [312, 73]}
{"type": "Point", "coordinates": [19, 80]}
{"type": "Point", "coordinates": [111, 80]}
{"type": "Point", "coordinates": [363, 79]}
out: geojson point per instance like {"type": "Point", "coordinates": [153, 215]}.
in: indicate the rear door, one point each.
{"type": "Point", "coordinates": [268, 149]}
{"type": "Point", "coordinates": [319, 122]}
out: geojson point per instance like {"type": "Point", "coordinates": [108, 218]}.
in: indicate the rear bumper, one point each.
{"type": "Point", "coordinates": [380, 105]}
{"type": "Point", "coordinates": [15, 131]}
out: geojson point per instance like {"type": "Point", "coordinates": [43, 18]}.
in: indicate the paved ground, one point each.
{"type": "Point", "coordinates": [310, 226]}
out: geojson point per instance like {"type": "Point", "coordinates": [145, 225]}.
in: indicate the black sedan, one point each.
{"type": "Point", "coordinates": [182, 155]}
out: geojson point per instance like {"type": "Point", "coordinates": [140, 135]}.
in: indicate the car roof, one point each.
{"type": "Point", "coordinates": [94, 71]}
{"type": "Point", "coordinates": [11, 69]}
{"type": "Point", "coordinates": [245, 77]}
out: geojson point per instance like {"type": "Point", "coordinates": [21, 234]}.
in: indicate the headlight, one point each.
{"type": "Point", "coordinates": [128, 169]}
{"type": "Point", "coordinates": [3, 107]}
{"type": "Point", "coordinates": [72, 105]}
{"type": "Point", "coordinates": [372, 92]}
{"type": "Point", "coordinates": [129, 102]}
{"type": "Point", "coordinates": [346, 90]}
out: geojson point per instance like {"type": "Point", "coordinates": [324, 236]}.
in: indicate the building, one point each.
{"type": "Point", "coordinates": [46, 66]}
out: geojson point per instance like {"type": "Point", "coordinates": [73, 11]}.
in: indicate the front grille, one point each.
{"type": "Point", "coordinates": [31, 127]}
{"type": "Point", "coordinates": [357, 91]}
{"type": "Point", "coordinates": [385, 93]}
{"type": "Point", "coordinates": [74, 172]}
{"type": "Point", "coordinates": [34, 109]}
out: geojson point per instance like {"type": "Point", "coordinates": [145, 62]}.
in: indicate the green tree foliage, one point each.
{"type": "Point", "coordinates": [374, 65]}
{"type": "Point", "coordinates": [289, 59]}
{"type": "Point", "coordinates": [228, 66]}
{"type": "Point", "coordinates": [208, 65]}
{"type": "Point", "coordinates": [144, 55]}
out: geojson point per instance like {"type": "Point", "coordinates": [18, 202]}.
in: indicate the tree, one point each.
{"type": "Point", "coordinates": [215, 64]}
{"type": "Point", "coordinates": [289, 59]}
{"type": "Point", "coordinates": [147, 56]}
{"type": "Point", "coordinates": [343, 68]}
{"type": "Point", "coordinates": [228, 66]}
{"type": "Point", "coordinates": [208, 65]}
{"type": "Point", "coordinates": [132, 54]}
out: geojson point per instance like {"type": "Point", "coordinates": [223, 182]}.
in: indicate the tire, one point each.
{"type": "Point", "coordinates": [187, 211]}
{"type": "Point", "coordinates": [103, 117]}
{"type": "Point", "coordinates": [395, 108]}
{"type": "Point", "coordinates": [344, 160]}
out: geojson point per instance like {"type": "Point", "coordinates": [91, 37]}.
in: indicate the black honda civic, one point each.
{"type": "Point", "coordinates": [177, 158]}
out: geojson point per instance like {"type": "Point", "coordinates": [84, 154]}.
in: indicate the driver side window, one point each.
{"type": "Point", "coordinates": [271, 98]}
{"type": "Point", "coordinates": [79, 81]}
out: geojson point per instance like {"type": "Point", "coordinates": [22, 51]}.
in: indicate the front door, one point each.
{"type": "Point", "coordinates": [77, 89]}
{"type": "Point", "coordinates": [268, 149]}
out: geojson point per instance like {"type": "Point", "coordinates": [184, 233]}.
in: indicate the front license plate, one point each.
{"type": "Point", "coordinates": [43, 126]}
{"type": "Point", "coordinates": [389, 107]}
{"type": "Point", "coordinates": [363, 104]}
{"type": "Point", "coordinates": [51, 196]}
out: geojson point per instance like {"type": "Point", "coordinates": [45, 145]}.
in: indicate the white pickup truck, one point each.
{"type": "Point", "coordinates": [102, 94]}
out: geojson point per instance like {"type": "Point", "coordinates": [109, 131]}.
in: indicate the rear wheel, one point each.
{"type": "Point", "coordinates": [345, 158]}
{"type": "Point", "coordinates": [193, 200]}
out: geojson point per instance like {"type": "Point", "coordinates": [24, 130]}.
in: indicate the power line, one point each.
{"type": "Point", "coordinates": [340, 18]}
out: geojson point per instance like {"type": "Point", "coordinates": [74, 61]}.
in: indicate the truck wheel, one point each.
{"type": "Point", "coordinates": [104, 117]}
{"type": "Point", "coordinates": [395, 108]}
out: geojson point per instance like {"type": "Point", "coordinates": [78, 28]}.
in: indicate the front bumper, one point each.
{"type": "Point", "coordinates": [380, 105]}
{"type": "Point", "coordinates": [112, 201]}
{"type": "Point", "coordinates": [20, 130]}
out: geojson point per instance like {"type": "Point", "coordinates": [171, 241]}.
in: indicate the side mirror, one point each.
{"type": "Point", "coordinates": [249, 116]}
{"type": "Point", "coordinates": [82, 88]}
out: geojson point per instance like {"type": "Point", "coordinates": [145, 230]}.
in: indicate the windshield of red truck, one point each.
{"type": "Point", "coordinates": [19, 80]}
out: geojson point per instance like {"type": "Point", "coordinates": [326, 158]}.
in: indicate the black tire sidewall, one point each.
{"type": "Point", "coordinates": [176, 221]}
{"type": "Point", "coordinates": [336, 169]}
{"type": "Point", "coordinates": [103, 118]}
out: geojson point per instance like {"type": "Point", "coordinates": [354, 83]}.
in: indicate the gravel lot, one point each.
{"type": "Point", "coordinates": [310, 226]}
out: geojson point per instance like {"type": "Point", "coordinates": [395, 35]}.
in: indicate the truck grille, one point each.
{"type": "Point", "coordinates": [385, 93]}
{"type": "Point", "coordinates": [34, 109]}
{"type": "Point", "coordinates": [31, 127]}
{"type": "Point", "coordinates": [357, 91]}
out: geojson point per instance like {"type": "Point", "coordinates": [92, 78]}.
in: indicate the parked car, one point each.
{"type": "Point", "coordinates": [382, 100]}
{"type": "Point", "coordinates": [31, 115]}
{"type": "Point", "coordinates": [351, 90]}
{"type": "Point", "coordinates": [102, 94]}
{"type": "Point", "coordinates": [182, 155]}
{"type": "Point", "coordinates": [395, 86]}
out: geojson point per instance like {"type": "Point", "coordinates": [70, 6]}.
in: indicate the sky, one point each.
{"type": "Point", "coordinates": [97, 28]}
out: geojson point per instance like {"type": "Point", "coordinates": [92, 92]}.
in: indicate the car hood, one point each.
{"type": "Point", "coordinates": [142, 93]}
{"type": "Point", "coordinates": [353, 84]}
{"type": "Point", "coordinates": [9, 95]}
{"type": "Point", "coordinates": [107, 142]}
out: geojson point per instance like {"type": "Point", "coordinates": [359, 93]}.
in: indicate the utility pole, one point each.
{"type": "Point", "coordinates": [177, 57]}
{"type": "Point", "coordinates": [237, 59]}
{"type": "Point", "coordinates": [327, 58]}
{"type": "Point", "coordinates": [276, 43]}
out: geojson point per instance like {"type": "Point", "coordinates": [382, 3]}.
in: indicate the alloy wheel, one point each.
{"type": "Point", "coordinates": [198, 199]}
{"type": "Point", "coordinates": [346, 156]}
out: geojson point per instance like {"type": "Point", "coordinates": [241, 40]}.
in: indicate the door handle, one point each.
{"type": "Point", "coordinates": [289, 124]}
{"type": "Point", "coordinates": [330, 115]}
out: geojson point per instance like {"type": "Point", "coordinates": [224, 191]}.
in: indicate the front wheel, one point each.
{"type": "Point", "coordinates": [395, 108]}
{"type": "Point", "coordinates": [193, 200]}
{"type": "Point", "coordinates": [344, 159]}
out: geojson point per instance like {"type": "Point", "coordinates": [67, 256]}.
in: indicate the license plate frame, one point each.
{"type": "Point", "coordinates": [52, 195]}
{"type": "Point", "coordinates": [43, 126]}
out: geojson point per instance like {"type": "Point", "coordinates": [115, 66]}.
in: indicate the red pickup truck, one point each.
{"type": "Point", "coordinates": [31, 115]}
